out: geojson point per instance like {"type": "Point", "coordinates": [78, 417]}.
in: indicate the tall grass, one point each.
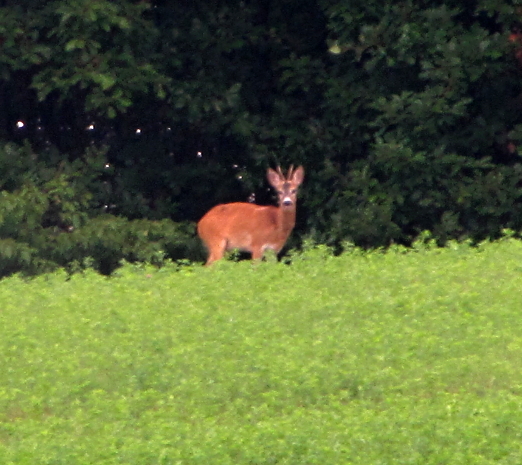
{"type": "Point", "coordinates": [367, 358]}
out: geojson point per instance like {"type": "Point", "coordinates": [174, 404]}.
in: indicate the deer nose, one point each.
{"type": "Point", "coordinates": [287, 202]}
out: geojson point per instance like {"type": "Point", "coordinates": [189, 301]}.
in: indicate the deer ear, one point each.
{"type": "Point", "coordinates": [298, 175]}
{"type": "Point", "coordinates": [273, 177]}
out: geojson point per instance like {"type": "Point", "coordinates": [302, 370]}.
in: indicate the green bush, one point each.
{"type": "Point", "coordinates": [52, 215]}
{"type": "Point", "coordinates": [107, 240]}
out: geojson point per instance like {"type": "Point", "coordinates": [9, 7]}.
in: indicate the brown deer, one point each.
{"type": "Point", "coordinates": [249, 227]}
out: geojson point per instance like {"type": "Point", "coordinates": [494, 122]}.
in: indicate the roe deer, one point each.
{"type": "Point", "coordinates": [249, 227]}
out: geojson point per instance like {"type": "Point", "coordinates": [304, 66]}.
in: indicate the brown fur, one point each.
{"type": "Point", "coordinates": [249, 227]}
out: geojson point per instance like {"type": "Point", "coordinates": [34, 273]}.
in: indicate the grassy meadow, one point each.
{"type": "Point", "coordinates": [367, 358]}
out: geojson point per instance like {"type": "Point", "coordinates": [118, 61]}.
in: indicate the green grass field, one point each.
{"type": "Point", "coordinates": [368, 358]}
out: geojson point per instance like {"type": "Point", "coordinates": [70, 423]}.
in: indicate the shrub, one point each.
{"type": "Point", "coordinates": [53, 214]}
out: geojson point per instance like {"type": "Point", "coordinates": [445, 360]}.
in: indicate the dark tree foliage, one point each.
{"type": "Point", "coordinates": [406, 115]}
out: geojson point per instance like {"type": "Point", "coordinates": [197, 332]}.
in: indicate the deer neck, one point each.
{"type": "Point", "coordinates": [286, 219]}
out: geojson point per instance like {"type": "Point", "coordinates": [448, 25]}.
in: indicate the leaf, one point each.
{"type": "Point", "coordinates": [106, 81]}
{"type": "Point", "coordinates": [74, 45]}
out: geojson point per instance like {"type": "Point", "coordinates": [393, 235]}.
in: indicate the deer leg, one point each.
{"type": "Point", "coordinates": [216, 252]}
{"type": "Point", "coordinates": [257, 253]}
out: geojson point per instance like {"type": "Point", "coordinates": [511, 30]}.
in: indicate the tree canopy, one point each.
{"type": "Point", "coordinates": [405, 114]}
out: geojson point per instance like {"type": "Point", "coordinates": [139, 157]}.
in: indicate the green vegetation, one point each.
{"type": "Point", "coordinates": [398, 357]}
{"type": "Point", "coordinates": [406, 115]}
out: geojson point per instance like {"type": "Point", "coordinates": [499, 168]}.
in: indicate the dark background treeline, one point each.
{"type": "Point", "coordinates": [122, 122]}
